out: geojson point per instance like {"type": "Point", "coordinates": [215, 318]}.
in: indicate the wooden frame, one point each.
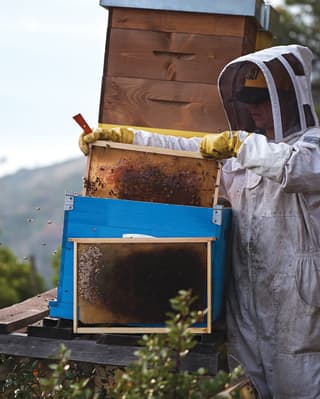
{"type": "Point", "coordinates": [160, 174]}
{"type": "Point", "coordinates": [135, 241]}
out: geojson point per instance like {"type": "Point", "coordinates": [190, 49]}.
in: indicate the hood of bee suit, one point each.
{"type": "Point", "coordinates": [281, 74]}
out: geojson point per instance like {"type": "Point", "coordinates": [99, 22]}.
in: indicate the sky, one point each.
{"type": "Point", "coordinates": [51, 63]}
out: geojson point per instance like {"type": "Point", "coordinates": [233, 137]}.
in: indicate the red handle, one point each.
{"type": "Point", "coordinates": [82, 123]}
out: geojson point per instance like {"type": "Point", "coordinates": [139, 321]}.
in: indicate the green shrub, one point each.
{"type": "Point", "coordinates": [17, 279]}
{"type": "Point", "coordinates": [158, 372]}
{"type": "Point", "coordinates": [29, 379]}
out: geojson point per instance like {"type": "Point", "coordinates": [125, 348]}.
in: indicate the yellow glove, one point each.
{"type": "Point", "coordinates": [223, 145]}
{"type": "Point", "coordinates": [116, 134]}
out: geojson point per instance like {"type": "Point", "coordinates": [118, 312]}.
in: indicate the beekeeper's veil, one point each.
{"type": "Point", "coordinates": [280, 74]}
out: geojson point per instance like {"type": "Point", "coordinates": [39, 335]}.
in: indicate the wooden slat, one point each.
{"type": "Point", "coordinates": [217, 185]}
{"type": "Point", "coordinates": [135, 330]}
{"type": "Point", "coordinates": [171, 21]}
{"type": "Point", "coordinates": [162, 104]}
{"type": "Point", "coordinates": [144, 240]}
{"type": "Point", "coordinates": [27, 312]}
{"type": "Point", "coordinates": [209, 288]}
{"type": "Point", "coordinates": [75, 287]}
{"type": "Point", "coordinates": [153, 150]}
{"type": "Point", "coordinates": [174, 56]}
{"type": "Point", "coordinates": [91, 352]}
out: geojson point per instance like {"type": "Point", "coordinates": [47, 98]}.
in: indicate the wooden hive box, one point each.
{"type": "Point", "coordinates": [162, 60]}
{"type": "Point", "coordinates": [130, 172]}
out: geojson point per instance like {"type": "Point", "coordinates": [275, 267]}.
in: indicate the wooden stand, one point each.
{"type": "Point", "coordinates": [24, 313]}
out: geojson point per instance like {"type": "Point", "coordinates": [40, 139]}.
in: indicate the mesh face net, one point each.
{"type": "Point", "coordinates": [247, 98]}
{"type": "Point", "coordinates": [289, 110]}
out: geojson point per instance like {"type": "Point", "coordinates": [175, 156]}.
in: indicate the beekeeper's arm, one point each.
{"type": "Point", "coordinates": [218, 146]}
{"type": "Point", "coordinates": [296, 167]}
{"type": "Point", "coordinates": [138, 137]}
{"type": "Point", "coordinates": [119, 135]}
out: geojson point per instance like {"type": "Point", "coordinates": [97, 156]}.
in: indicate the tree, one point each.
{"type": "Point", "coordinates": [18, 281]}
{"type": "Point", "coordinates": [300, 24]}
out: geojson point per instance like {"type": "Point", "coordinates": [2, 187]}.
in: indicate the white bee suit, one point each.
{"type": "Point", "coordinates": [273, 313]}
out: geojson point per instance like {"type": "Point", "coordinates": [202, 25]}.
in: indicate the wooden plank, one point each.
{"type": "Point", "coordinates": [84, 350]}
{"type": "Point", "coordinates": [134, 330]}
{"type": "Point", "coordinates": [150, 174]}
{"type": "Point", "coordinates": [75, 287]}
{"type": "Point", "coordinates": [140, 240]}
{"type": "Point", "coordinates": [162, 104]}
{"type": "Point", "coordinates": [27, 312]}
{"type": "Point", "coordinates": [174, 56]}
{"type": "Point", "coordinates": [217, 185]}
{"type": "Point", "coordinates": [50, 332]}
{"type": "Point", "coordinates": [171, 21]}
{"type": "Point", "coordinates": [209, 289]}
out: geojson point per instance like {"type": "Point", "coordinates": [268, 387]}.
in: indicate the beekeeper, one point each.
{"type": "Point", "coordinates": [271, 176]}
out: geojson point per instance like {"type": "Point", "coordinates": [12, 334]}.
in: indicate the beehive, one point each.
{"type": "Point", "coordinates": [187, 242]}
{"type": "Point", "coordinates": [162, 60]}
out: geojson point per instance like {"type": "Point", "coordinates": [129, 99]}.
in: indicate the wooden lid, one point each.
{"type": "Point", "coordinates": [253, 8]}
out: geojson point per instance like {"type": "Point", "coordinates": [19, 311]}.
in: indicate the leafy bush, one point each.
{"type": "Point", "coordinates": [158, 371]}
{"type": "Point", "coordinates": [17, 280]}
{"type": "Point", "coordinates": [29, 379]}
{"type": "Point", "coordinates": [64, 382]}
{"type": "Point", "coordinates": [156, 374]}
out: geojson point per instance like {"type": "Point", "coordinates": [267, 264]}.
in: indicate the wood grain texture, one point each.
{"type": "Point", "coordinates": [29, 311]}
{"type": "Point", "coordinates": [162, 104]}
{"type": "Point", "coordinates": [131, 174]}
{"type": "Point", "coordinates": [173, 56]}
{"type": "Point", "coordinates": [172, 21]}
{"type": "Point", "coordinates": [161, 67]}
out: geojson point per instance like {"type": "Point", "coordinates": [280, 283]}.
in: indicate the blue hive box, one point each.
{"type": "Point", "coordinates": [87, 217]}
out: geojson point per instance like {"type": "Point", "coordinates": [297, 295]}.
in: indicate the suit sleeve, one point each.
{"type": "Point", "coordinates": [142, 137]}
{"type": "Point", "coordinates": [296, 167]}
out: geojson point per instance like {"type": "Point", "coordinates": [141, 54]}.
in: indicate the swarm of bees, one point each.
{"type": "Point", "coordinates": [32, 220]}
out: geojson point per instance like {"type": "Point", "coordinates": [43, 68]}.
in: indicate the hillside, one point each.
{"type": "Point", "coordinates": [31, 210]}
